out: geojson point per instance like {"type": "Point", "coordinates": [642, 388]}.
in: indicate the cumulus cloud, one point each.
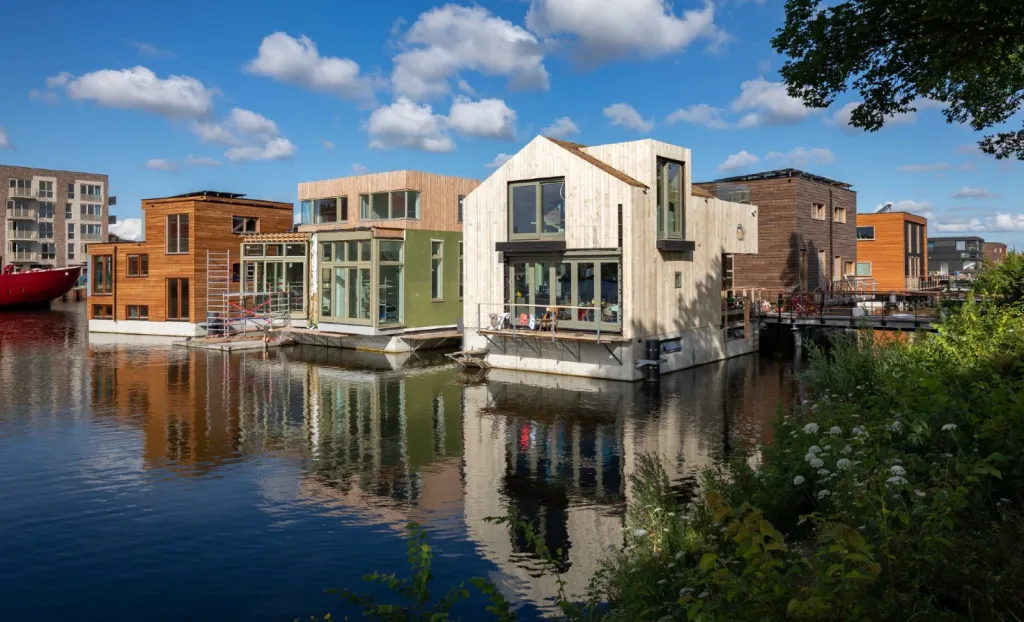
{"type": "Point", "coordinates": [161, 165]}
{"type": "Point", "coordinates": [148, 49]}
{"type": "Point", "coordinates": [274, 149]}
{"type": "Point", "coordinates": [487, 118]}
{"type": "Point", "coordinates": [44, 96]}
{"type": "Point", "coordinates": [973, 193]}
{"type": "Point", "coordinates": [5, 143]}
{"type": "Point", "coordinates": [201, 161]}
{"type": "Point", "coordinates": [1000, 221]}
{"type": "Point", "coordinates": [406, 124]}
{"type": "Point", "coordinates": [138, 88]}
{"type": "Point", "coordinates": [626, 116]}
{"type": "Point", "coordinates": [59, 80]}
{"type": "Point", "coordinates": [328, 144]}
{"type": "Point", "coordinates": [298, 62]}
{"type": "Point", "coordinates": [699, 114]}
{"type": "Point", "coordinates": [449, 39]}
{"type": "Point", "coordinates": [563, 127]}
{"type": "Point", "coordinates": [606, 29]}
{"type": "Point", "coordinates": [802, 156]}
{"type": "Point", "coordinates": [766, 103]}
{"type": "Point", "coordinates": [250, 136]}
{"type": "Point", "coordinates": [921, 208]}
{"type": "Point", "coordinates": [739, 160]}
{"type": "Point", "coordinates": [215, 133]}
{"type": "Point", "coordinates": [498, 160]}
{"type": "Point", "coordinates": [359, 169]}
{"type": "Point", "coordinates": [128, 229]}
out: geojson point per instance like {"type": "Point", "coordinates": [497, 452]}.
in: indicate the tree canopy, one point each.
{"type": "Point", "coordinates": [967, 55]}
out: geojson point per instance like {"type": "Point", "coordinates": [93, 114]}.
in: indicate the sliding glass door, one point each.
{"type": "Point", "coordinates": [591, 285]}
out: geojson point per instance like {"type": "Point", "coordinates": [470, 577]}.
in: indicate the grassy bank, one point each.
{"type": "Point", "coordinates": [894, 492]}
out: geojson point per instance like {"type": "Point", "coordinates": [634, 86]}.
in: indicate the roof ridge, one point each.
{"type": "Point", "coordinates": [577, 149]}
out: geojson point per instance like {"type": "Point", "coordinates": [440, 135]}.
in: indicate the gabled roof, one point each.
{"type": "Point", "coordinates": [577, 150]}
{"type": "Point", "coordinates": [697, 191]}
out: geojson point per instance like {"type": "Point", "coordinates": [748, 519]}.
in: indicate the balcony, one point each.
{"type": "Point", "coordinates": [23, 256]}
{"type": "Point", "coordinates": [22, 213]}
{"type": "Point", "coordinates": [90, 198]}
{"type": "Point", "coordinates": [90, 217]}
{"type": "Point", "coordinates": [21, 193]}
{"type": "Point", "coordinates": [28, 235]}
{"type": "Point", "coordinates": [91, 237]}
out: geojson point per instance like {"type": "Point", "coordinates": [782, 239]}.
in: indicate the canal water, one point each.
{"type": "Point", "coordinates": [143, 481]}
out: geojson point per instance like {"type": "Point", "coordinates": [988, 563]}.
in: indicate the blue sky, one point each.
{"type": "Point", "coordinates": [255, 97]}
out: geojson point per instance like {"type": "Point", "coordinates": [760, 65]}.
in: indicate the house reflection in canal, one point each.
{"type": "Point", "coordinates": [376, 445]}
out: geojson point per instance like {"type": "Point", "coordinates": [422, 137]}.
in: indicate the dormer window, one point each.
{"type": "Point", "coordinates": [537, 210]}
{"type": "Point", "coordinates": [671, 217]}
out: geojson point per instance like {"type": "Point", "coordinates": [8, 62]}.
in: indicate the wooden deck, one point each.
{"type": "Point", "coordinates": [556, 335]}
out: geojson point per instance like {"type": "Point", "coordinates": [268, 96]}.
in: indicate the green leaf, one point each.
{"type": "Point", "coordinates": [707, 561]}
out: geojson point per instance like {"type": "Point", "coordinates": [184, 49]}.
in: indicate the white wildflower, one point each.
{"type": "Point", "coordinates": [947, 455]}
{"type": "Point", "coordinates": [679, 555]}
{"type": "Point", "coordinates": [842, 464]}
{"type": "Point", "coordinates": [686, 591]}
{"type": "Point", "coordinates": [823, 493]}
{"type": "Point", "coordinates": [846, 450]}
{"type": "Point", "coordinates": [898, 470]}
{"type": "Point", "coordinates": [896, 480]}
{"type": "Point", "coordinates": [811, 428]}
{"type": "Point", "coordinates": [639, 533]}
{"type": "Point", "coordinates": [670, 514]}
{"type": "Point", "coordinates": [801, 521]}
{"type": "Point", "coordinates": [949, 427]}
{"type": "Point", "coordinates": [897, 461]}
{"type": "Point", "coordinates": [896, 426]}
{"type": "Point", "coordinates": [817, 463]}
{"type": "Point", "coordinates": [835, 431]}
{"type": "Point", "coordinates": [824, 472]}
{"type": "Point", "coordinates": [702, 595]}
{"type": "Point", "coordinates": [919, 493]}
{"type": "Point", "coordinates": [662, 582]}
{"type": "Point", "coordinates": [799, 480]}
{"type": "Point", "coordinates": [814, 449]}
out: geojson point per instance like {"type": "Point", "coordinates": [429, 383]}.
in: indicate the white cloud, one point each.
{"type": "Point", "coordinates": [562, 127]}
{"type": "Point", "coordinates": [448, 39]}
{"type": "Point", "coordinates": [924, 168]}
{"type": "Point", "coordinates": [253, 124]}
{"type": "Point", "coordinates": [128, 229]}
{"type": "Point", "coordinates": [405, 124]}
{"type": "Point", "coordinates": [139, 88]}
{"type": "Point", "coordinates": [464, 87]}
{"type": "Point", "coordinates": [968, 149]}
{"type": "Point", "coordinates": [161, 165]}
{"type": "Point", "coordinates": [328, 144]}
{"type": "Point", "coordinates": [769, 104]}
{"type": "Point", "coordinates": [201, 161]}
{"type": "Point", "coordinates": [61, 79]}
{"type": "Point", "coordinates": [921, 208]}
{"type": "Point", "coordinates": [699, 114]}
{"type": "Point", "coordinates": [842, 116]}
{"type": "Point", "coordinates": [359, 169]}
{"type": "Point", "coordinates": [148, 49]}
{"type": "Point", "coordinates": [45, 96]}
{"type": "Point", "coordinates": [606, 29]}
{"type": "Point", "coordinates": [627, 116]}
{"type": "Point", "coordinates": [1001, 221]}
{"type": "Point", "coordinates": [802, 156]}
{"type": "Point", "coordinates": [5, 142]}
{"type": "Point", "coordinates": [742, 159]}
{"type": "Point", "coordinates": [215, 133]}
{"type": "Point", "coordinates": [487, 118]}
{"type": "Point", "coordinates": [973, 193]}
{"type": "Point", "coordinates": [275, 149]}
{"type": "Point", "coordinates": [498, 160]}
{"type": "Point", "coordinates": [297, 61]}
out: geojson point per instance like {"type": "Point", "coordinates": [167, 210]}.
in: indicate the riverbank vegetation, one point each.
{"type": "Point", "coordinates": [894, 491]}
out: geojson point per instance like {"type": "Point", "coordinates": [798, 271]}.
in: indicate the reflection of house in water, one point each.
{"type": "Point", "coordinates": [560, 451]}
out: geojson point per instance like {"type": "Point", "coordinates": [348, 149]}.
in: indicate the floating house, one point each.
{"type": "Point", "coordinates": [579, 258]}
{"type": "Point", "coordinates": [892, 251]}
{"type": "Point", "coordinates": [385, 258]}
{"type": "Point", "coordinates": [160, 286]}
{"type": "Point", "coordinates": [806, 230]}
{"type": "Point", "coordinates": [957, 256]}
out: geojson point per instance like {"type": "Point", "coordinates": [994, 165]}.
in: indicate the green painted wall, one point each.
{"type": "Point", "coordinates": [420, 310]}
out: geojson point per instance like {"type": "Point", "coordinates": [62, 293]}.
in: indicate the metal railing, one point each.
{"type": "Point", "coordinates": [23, 234]}
{"type": "Point", "coordinates": [28, 213]}
{"type": "Point", "coordinates": [90, 198]}
{"type": "Point", "coordinates": [90, 237]}
{"type": "Point", "coordinates": [916, 306]}
{"type": "Point", "coordinates": [90, 217]}
{"type": "Point", "coordinates": [24, 193]}
{"type": "Point", "coordinates": [23, 256]}
{"type": "Point", "coordinates": [549, 318]}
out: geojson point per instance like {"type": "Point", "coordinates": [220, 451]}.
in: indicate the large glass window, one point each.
{"type": "Point", "coordinates": [379, 205]}
{"type": "Point", "coordinates": [390, 285]}
{"type": "Point", "coordinates": [177, 299]}
{"type": "Point", "coordinates": [334, 209]}
{"type": "Point", "coordinates": [138, 265]}
{"type": "Point", "coordinates": [389, 205]}
{"type": "Point", "coordinates": [585, 292]}
{"type": "Point", "coordinates": [245, 224]}
{"type": "Point", "coordinates": [537, 210]}
{"type": "Point", "coordinates": [670, 199]}
{"type": "Point", "coordinates": [102, 274]}
{"type": "Point", "coordinates": [961, 245]}
{"type": "Point", "coordinates": [866, 233]}
{"type": "Point", "coordinates": [346, 286]}
{"type": "Point", "coordinates": [295, 284]}
{"type": "Point", "coordinates": [177, 234]}
{"type": "Point", "coordinates": [436, 270]}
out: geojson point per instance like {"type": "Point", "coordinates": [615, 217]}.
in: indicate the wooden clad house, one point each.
{"type": "Point", "coordinates": [576, 255]}
{"type": "Point", "coordinates": [386, 255]}
{"type": "Point", "coordinates": [806, 230]}
{"type": "Point", "coordinates": [892, 251]}
{"type": "Point", "coordinates": [158, 286]}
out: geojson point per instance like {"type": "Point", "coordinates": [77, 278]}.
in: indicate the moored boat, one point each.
{"type": "Point", "coordinates": [35, 288]}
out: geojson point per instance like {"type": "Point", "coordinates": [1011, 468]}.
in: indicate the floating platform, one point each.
{"type": "Point", "coordinates": [238, 342]}
{"type": "Point", "coordinates": [476, 359]}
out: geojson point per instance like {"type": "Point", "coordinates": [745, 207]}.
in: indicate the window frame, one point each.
{"type": "Point", "coordinates": [177, 237]}
{"type": "Point", "coordinates": [107, 312]}
{"type": "Point", "coordinates": [102, 266]}
{"type": "Point", "coordinates": [366, 206]}
{"type": "Point", "coordinates": [960, 246]}
{"type": "Point", "coordinates": [538, 184]}
{"type": "Point", "coordinates": [839, 215]}
{"type": "Point", "coordinates": [462, 270]}
{"type": "Point", "coordinates": [462, 199]}
{"type": "Point", "coordinates": [141, 312]}
{"type": "Point", "coordinates": [565, 316]}
{"type": "Point", "coordinates": [141, 268]}
{"type": "Point", "coordinates": [244, 221]}
{"type": "Point", "coordinates": [376, 276]}
{"type": "Point", "coordinates": [818, 211]}
{"type": "Point", "coordinates": [870, 271]}
{"type": "Point", "coordinates": [865, 227]}
{"type": "Point", "coordinates": [177, 316]}
{"type": "Point", "coordinates": [437, 280]}
{"type": "Point", "coordinates": [661, 200]}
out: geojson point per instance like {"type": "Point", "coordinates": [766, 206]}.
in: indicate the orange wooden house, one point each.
{"type": "Point", "coordinates": [892, 251]}
{"type": "Point", "coordinates": [158, 286]}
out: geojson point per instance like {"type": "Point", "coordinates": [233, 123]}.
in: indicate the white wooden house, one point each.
{"type": "Point", "coordinates": [576, 256]}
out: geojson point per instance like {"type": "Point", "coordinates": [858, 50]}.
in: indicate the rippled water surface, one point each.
{"type": "Point", "coordinates": [140, 481]}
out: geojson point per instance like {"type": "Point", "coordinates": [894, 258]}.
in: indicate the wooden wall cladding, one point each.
{"type": "Point", "coordinates": [887, 252]}
{"type": "Point", "coordinates": [439, 198]}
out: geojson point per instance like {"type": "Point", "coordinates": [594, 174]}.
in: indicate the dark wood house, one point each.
{"type": "Point", "coordinates": [807, 230]}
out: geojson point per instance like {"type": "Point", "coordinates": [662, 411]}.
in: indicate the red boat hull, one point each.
{"type": "Point", "coordinates": [36, 288]}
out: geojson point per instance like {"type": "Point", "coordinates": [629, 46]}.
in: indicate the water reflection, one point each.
{"type": "Point", "coordinates": [375, 441]}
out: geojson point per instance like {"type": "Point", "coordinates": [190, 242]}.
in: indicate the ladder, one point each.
{"type": "Point", "coordinates": [218, 284]}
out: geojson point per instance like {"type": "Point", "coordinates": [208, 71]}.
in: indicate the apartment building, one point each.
{"type": "Point", "coordinates": [956, 255]}
{"type": "Point", "coordinates": [49, 216]}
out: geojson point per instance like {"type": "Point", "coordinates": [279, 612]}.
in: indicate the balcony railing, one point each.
{"type": "Point", "coordinates": [91, 237]}
{"type": "Point", "coordinates": [90, 198]}
{"type": "Point", "coordinates": [24, 193]}
{"type": "Point", "coordinates": [20, 256]}
{"type": "Point", "coordinates": [91, 217]}
{"type": "Point", "coordinates": [23, 234]}
{"type": "Point", "coordinates": [24, 213]}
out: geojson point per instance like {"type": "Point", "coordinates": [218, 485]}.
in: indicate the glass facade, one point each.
{"type": "Point", "coordinates": [272, 268]}
{"type": "Point", "coordinates": [537, 210]}
{"type": "Point", "coordinates": [584, 293]}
